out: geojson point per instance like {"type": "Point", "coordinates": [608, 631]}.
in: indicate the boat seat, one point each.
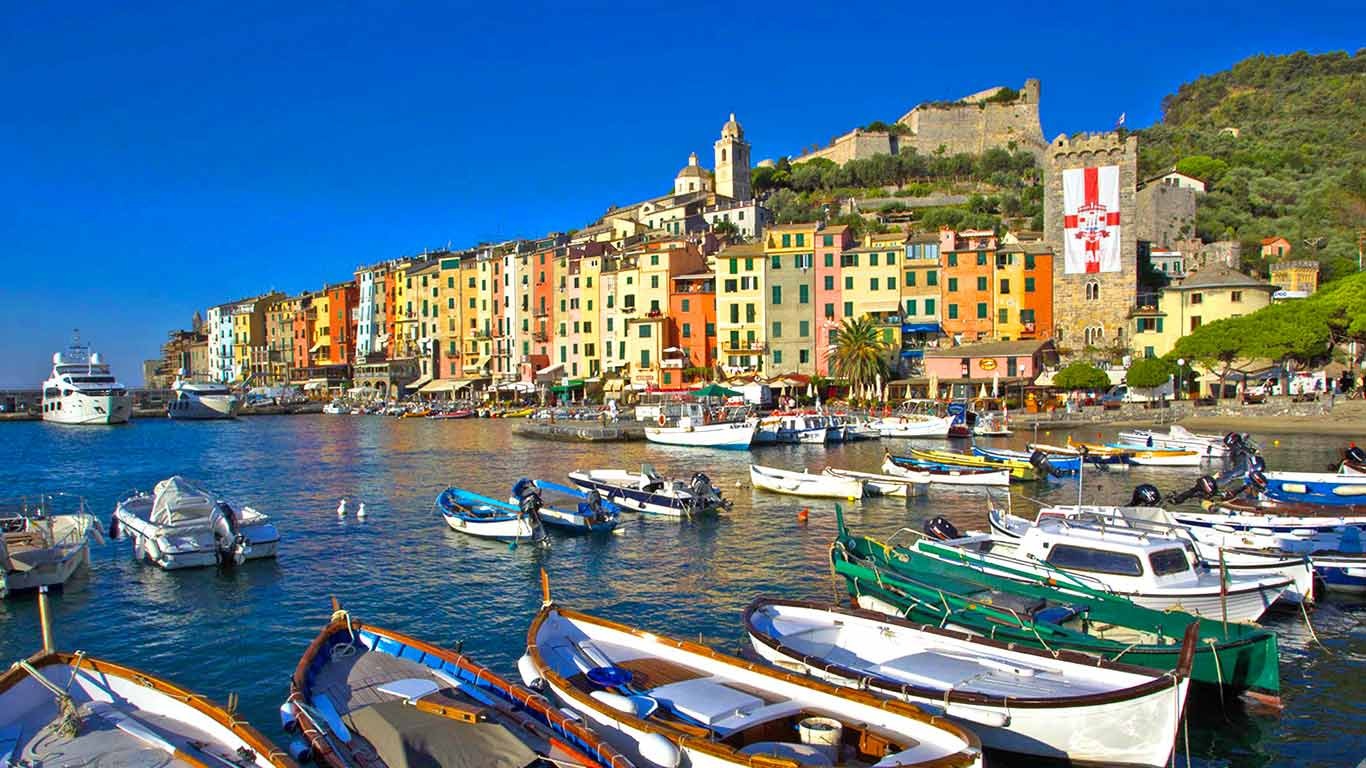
{"type": "Point", "coordinates": [324, 706]}
{"type": "Point", "coordinates": [803, 754]}
{"type": "Point", "coordinates": [1060, 614]}
{"type": "Point", "coordinates": [409, 689]}
{"type": "Point", "coordinates": [705, 700]}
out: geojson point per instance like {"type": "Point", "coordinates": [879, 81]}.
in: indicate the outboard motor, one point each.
{"type": "Point", "coordinates": [229, 544]}
{"type": "Point", "coordinates": [528, 496]}
{"type": "Point", "coordinates": [1355, 455]}
{"type": "Point", "coordinates": [1145, 495]}
{"type": "Point", "coordinates": [593, 500]}
{"type": "Point", "coordinates": [1039, 461]}
{"type": "Point", "coordinates": [1256, 480]}
{"type": "Point", "coordinates": [1232, 440]}
{"type": "Point", "coordinates": [939, 528]}
{"type": "Point", "coordinates": [1206, 488]}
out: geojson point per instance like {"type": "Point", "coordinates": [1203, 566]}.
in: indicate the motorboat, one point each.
{"type": "Point", "coordinates": [670, 702]}
{"type": "Point", "coordinates": [1154, 571]}
{"type": "Point", "coordinates": [363, 695]}
{"type": "Point", "coordinates": [1028, 701]}
{"type": "Point", "coordinates": [940, 475]}
{"type": "Point", "coordinates": [182, 524]}
{"type": "Point", "coordinates": [1022, 471]}
{"type": "Point", "coordinates": [912, 425]}
{"type": "Point", "coordinates": [791, 428]}
{"type": "Point", "coordinates": [82, 390]}
{"type": "Point", "coordinates": [486, 518]}
{"type": "Point", "coordinates": [881, 485]}
{"type": "Point", "coordinates": [1097, 455]}
{"type": "Point", "coordinates": [926, 582]}
{"type": "Point", "coordinates": [570, 510]}
{"type": "Point", "coordinates": [1211, 549]}
{"type": "Point", "coordinates": [1177, 438]}
{"type": "Point", "coordinates": [729, 435]}
{"type": "Point", "coordinates": [459, 413]}
{"type": "Point", "coordinates": [1323, 488]}
{"type": "Point", "coordinates": [336, 408]}
{"type": "Point", "coordinates": [836, 428]}
{"type": "Point", "coordinates": [804, 483]}
{"type": "Point", "coordinates": [68, 709]}
{"type": "Point", "coordinates": [1155, 457]}
{"type": "Point", "coordinates": [650, 493]}
{"type": "Point", "coordinates": [1063, 464]}
{"type": "Point", "coordinates": [44, 540]}
{"type": "Point", "coordinates": [201, 400]}
{"type": "Point", "coordinates": [859, 429]}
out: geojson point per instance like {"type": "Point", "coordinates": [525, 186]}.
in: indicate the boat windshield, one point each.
{"type": "Point", "coordinates": [1168, 561]}
{"type": "Point", "coordinates": [1073, 558]}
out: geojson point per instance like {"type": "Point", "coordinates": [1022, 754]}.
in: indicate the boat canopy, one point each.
{"type": "Point", "coordinates": [178, 500]}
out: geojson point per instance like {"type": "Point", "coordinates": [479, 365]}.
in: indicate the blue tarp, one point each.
{"type": "Point", "coordinates": [920, 327]}
{"type": "Point", "coordinates": [912, 353]}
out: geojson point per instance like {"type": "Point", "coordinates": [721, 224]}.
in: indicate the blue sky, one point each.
{"type": "Point", "coordinates": [157, 158]}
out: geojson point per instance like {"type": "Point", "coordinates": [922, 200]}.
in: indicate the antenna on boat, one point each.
{"type": "Point", "coordinates": [45, 619]}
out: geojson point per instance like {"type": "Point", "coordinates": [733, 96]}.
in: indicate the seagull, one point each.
{"type": "Point", "coordinates": [360, 512]}
{"type": "Point", "coordinates": [341, 508]}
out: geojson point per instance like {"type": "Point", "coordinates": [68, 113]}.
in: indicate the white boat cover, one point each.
{"type": "Point", "coordinates": [177, 500]}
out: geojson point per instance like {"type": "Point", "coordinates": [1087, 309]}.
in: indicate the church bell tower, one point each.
{"type": "Point", "coordinates": [732, 162]}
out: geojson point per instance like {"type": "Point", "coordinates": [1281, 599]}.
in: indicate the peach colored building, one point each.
{"type": "Point", "coordinates": [962, 371]}
{"type": "Point", "coordinates": [831, 243]}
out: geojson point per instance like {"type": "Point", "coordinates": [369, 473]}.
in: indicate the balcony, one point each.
{"type": "Point", "coordinates": [744, 347]}
{"type": "Point", "coordinates": [540, 336]}
{"type": "Point", "coordinates": [540, 312]}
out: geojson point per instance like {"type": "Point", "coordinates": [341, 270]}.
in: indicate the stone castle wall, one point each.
{"type": "Point", "coordinates": [1166, 216]}
{"type": "Point", "coordinates": [854, 145]}
{"type": "Point", "coordinates": [1073, 312]}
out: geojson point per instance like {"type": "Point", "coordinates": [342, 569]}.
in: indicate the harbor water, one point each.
{"type": "Point", "coordinates": [242, 630]}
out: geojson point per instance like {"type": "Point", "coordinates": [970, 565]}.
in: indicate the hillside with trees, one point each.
{"type": "Point", "coordinates": [1281, 140]}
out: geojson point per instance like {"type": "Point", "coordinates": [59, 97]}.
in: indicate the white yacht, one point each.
{"type": "Point", "coordinates": [201, 400]}
{"type": "Point", "coordinates": [81, 390]}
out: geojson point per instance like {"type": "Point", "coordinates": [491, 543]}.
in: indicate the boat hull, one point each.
{"type": "Point", "coordinates": [78, 409]}
{"type": "Point", "coordinates": [913, 426]}
{"type": "Point", "coordinates": [733, 437]}
{"type": "Point", "coordinates": [623, 489]}
{"type": "Point", "coordinates": [805, 484]}
{"type": "Point", "coordinates": [203, 407]}
{"type": "Point", "coordinates": [1316, 488]}
{"type": "Point", "coordinates": [998, 478]}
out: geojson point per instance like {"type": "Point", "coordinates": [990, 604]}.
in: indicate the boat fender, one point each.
{"type": "Point", "coordinates": [114, 527]}
{"type": "Point", "coordinates": [993, 718]}
{"type": "Point", "coordinates": [300, 751]}
{"type": "Point", "coordinates": [657, 749]}
{"type": "Point", "coordinates": [531, 677]}
{"type": "Point", "coordinates": [151, 549]}
{"type": "Point", "coordinates": [289, 720]}
{"type": "Point", "coordinates": [661, 420]}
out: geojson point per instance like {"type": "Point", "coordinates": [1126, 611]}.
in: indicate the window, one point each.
{"type": "Point", "coordinates": [802, 261]}
{"type": "Point", "coordinates": [849, 260]}
{"type": "Point", "coordinates": [711, 329]}
{"type": "Point", "coordinates": [1027, 316]}
{"type": "Point", "coordinates": [803, 294]}
{"type": "Point", "coordinates": [1236, 297]}
{"type": "Point", "coordinates": [981, 258]}
{"type": "Point", "coordinates": [872, 259]}
{"type": "Point", "coordinates": [981, 310]}
{"type": "Point", "coordinates": [910, 306]}
{"type": "Point", "coordinates": [644, 358]}
{"type": "Point", "coordinates": [730, 286]}
{"type": "Point", "coordinates": [848, 309]}
{"type": "Point", "coordinates": [1005, 287]}
{"type": "Point", "coordinates": [801, 240]}
{"type": "Point", "coordinates": [981, 283]}
{"type": "Point", "coordinates": [777, 357]}
{"type": "Point", "coordinates": [1092, 290]}
{"type": "Point", "coordinates": [734, 266]}
{"type": "Point", "coordinates": [827, 241]}
{"type": "Point", "coordinates": [1003, 316]}
{"type": "Point", "coordinates": [910, 279]}
{"type": "Point", "coordinates": [829, 282]}
{"type": "Point", "coordinates": [804, 328]}
{"type": "Point", "coordinates": [734, 339]}
{"type": "Point", "coordinates": [932, 277]}
{"type": "Point", "coordinates": [953, 285]}
{"type": "Point", "coordinates": [687, 330]}
{"type": "Point", "coordinates": [1012, 366]}
{"type": "Point", "coordinates": [953, 311]}
{"type": "Point", "coordinates": [1069, 556]}
{"type": "Point", "coordinates": [953, 259]}
{"type": "Point", "coordinates": [654, 281]}
{"type": "Point", "coordinates": [735, 313]}
{"type": "Point", "coordinates": [829, 311]}
{"type": "Point", "coordinates": [1149, 352]}
{"type": "Point", "coordinates": [1029, 285]}
{"type": "Point", "coordinates": [804, 356]}
{"type": "Point", "coordinates": [685, 305]}
{"type": "Point", "coordinates": [1195, 322]}
{"type": "Point", "coordinates": [654, 259]}
{"type": "Point", "coordinates": [749, 265]}
{"type": "Point", "coordinates": [1146, 324]}
{"type": "Point", "coordinates": [787, 241]}
{"type": "Point", "coordinates": [849, 282]}
{"type": "Point", "coordinates": [1197, 298]}
{"type": "Point", "coordinates": [1029, 261]}
{"type": "Point", "coordinates": [872, 283]}
{"type": "Point", "coordinates": [749, 313]}
{"type": "Point", "coordinates": [777, 330]}
{"type": "Point", "coordinates": [891, 258]}
{"type": "Point", "coordinates": [1168, 561]}
{"type": "Point", "coordinates": [777, 294]}
{"type": "Point", "coordinates": [776, 261]}
{"type": "Point", "coordinates": [929, 306]}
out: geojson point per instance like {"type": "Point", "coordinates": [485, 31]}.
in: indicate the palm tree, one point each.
{"type": "Point", "coordinates": [860, 354]}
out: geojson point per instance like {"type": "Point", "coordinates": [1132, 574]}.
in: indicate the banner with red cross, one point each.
{"type": "Point", "coordinates": [1090, 204]}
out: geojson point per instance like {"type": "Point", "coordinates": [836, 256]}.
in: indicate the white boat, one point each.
{"type": "Point", "coordinates": [81, 390]}
{"type": "Point", "coordinates": [669, 702]}
{"type": "Point", "coordinates": [992, 424]}
{"type": "Point", "coordinates": [182, 524]}
{"type": "Point", "coordinates": [1177, 438]}
{"type": "Point", "coordinates": [913, 425]}
{"type": "Point", "coordinates": [1068, 706]}
{"type": "Point", "coordinates": [1209, 547]}
{"type": "Point", "coordinates": [855, 430]}
{"type": "Point", "coordinates": [44, 540]}
{"type": "Point", "coordinates": [650, 493]}
{"type": "Point", "coordinates": [1152, 572]}
{"type": "Point", "coordinates": [487, 518]}
{"type": "Point", "coordinates": [881, 485]}
{"type": "Point", "coordinates": [805, 483]}
{"type": "Point", "coordinates": [965, 476]}
{"type": "Point", "coordinates": [62, 709]}
{"type": "Point", "coordinates": [195, 400]}
{"type": "Point", "coordinates": [730, 435]}
{"type": "Point", "coordinates": [336, 408]}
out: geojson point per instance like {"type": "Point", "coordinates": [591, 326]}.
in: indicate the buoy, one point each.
{"type": "Point", "coordinates": [360, 511]}
{"type": "Point", "coordinates": [803, 515]}
{"type": "Point", "coordinates": [1046, 433]}
{"type": "Point", "coordinates": [1276, 443]}
{"type": "Point", "coordinates": [341, 508]}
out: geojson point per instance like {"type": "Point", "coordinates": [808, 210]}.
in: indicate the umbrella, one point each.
{"type": "Point", "coordinates": [933, 388]}
{"type": "Point", "coordinates": [713, 390]}
{"type": "Point", "coordinates": [878, 389]}
{"type": "Point", "coordinates": [996, 384]}
{"type": "Point", "coordinates": [982, 391]}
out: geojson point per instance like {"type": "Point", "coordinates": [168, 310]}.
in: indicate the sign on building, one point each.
{"type": "Point", "coordinates": [1091, 220]}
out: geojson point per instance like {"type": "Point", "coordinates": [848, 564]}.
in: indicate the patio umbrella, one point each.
{"type": "Point", "coordinates": [713, 390]}
{"type": "Point", "coordinates": [933, 388]}
{"type": "Point", "coordinates": [878, 390]}
{"type": "Point", "coordinates": [996, 384]}
{"type": "Point", "coordinates": [982, 391]}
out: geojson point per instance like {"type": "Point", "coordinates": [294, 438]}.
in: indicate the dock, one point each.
{"type": "Point", "coordinates": [581, 432]}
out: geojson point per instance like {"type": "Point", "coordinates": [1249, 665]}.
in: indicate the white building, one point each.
{"type": "Point", "coordinates": [218, 322]}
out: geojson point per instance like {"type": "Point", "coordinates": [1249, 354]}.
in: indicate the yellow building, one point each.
{"type": "Point", "coordinates": [920, 292]}
{"type": "Point", "coordinates": [450, 300]}
{"type": "Point", "coordinates": [250, 343]}
{"type": "Point", "coordinates": [741, 308]}
{"type": "Point", "coordinates": [1214, 293]}
{"type": "Point", "coordinates": [404, 318]}
{"type": "Point", "coordinates": [786, 287]}
{"type": "Point", "coordinates": [320, 308]}
{"type": "Point", "coordinates": [872, 276]}
{"type": "Point", "coordinates": [472, 348]}
{"type": "Point", "coordinates": [1296, 279]}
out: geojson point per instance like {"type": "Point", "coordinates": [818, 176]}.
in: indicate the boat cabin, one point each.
{"type": "Point", "coordinates": [1132, 560]}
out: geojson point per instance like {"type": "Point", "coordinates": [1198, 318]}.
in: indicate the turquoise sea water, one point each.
{"type": "Point", "coordinates": [242, 630]}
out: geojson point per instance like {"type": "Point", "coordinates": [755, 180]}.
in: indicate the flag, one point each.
{"type": "Point", "coordinates": [1090, 201]}
{"type": "Point", "coordinates": [1120, 122]}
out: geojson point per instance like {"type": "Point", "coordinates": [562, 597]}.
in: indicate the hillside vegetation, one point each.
{"type": "Point", "coordinates": [1297, 166]}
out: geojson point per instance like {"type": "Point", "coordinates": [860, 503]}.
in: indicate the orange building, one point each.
{"type": "Point", "coordinates": [342, 299]}
{"type": "Point", "coordinates": [1037, 307]}
{"type": "Point", "coordinates": [692, 326]}
{"type": "Point", "coordinates": [968, 260]}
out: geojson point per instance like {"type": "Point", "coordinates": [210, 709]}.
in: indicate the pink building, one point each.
{"type": "Point", "coordinates": [962, 371]}
{"type": "Point", "coordinates": [830, 245]}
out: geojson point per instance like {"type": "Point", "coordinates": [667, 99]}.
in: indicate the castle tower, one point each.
{"type": "Point", "coordinates": [1089, 220]}
{"type": "Point", "coordinates": [732, 162]}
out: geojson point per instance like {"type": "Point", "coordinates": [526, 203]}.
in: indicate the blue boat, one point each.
{"type": "Point", "coordinates": [1315, 488]}
{"type": "Point", "coordinates": [578, 512]}
{"type": "Point", "coordinates": [1067, 465]}
{"type": "Point", "coordinates": [477, 515]}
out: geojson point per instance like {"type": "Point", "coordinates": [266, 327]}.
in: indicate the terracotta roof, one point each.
{"type": "Point", "coordinates": [989, 349]}
{"type": "Point", "coordinates": [1219, 277]}
{"type": "Point", "coordinates": [1270, 240]}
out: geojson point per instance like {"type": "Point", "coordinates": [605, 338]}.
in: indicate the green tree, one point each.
{"type": "Point", "coordinates": [860, 353]}
{"type": "Point", "coordinates": [1081, 375]}
{"type": "Point", "coordinates": [1149, 373]}
{"type": "Point", "coordinates": [1203, 167]}
{"type": "Point", "coordinates": [1215, 346]}
{"type": "Point", "coordinates": [725, 227]}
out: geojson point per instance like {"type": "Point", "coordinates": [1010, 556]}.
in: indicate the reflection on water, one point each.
{"type": "Point", "coordinates": [243, 630]}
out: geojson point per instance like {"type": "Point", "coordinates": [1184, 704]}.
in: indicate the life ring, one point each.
{"type": "Point", "coordinates": [661, 420]}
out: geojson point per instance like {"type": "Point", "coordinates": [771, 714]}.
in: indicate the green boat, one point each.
{"type": "Point", "coordinates": [1049, 613]}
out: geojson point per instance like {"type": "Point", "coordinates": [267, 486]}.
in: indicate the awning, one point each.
{"type": "Point", "coordinates": [612, 366]}
{"type": "Point", "coordinates": [912, 353]}
{"type": "Point", "coordinates": [418, 384]}
{"type": "Point", "coordinates": [920, 327]}
{"type": "Point", "coordinates": [440, 385]}
{"type": "Point", "coordinates": [315, 384]}
{"type": "Point", "coordinates": [317, 347]}
{"type": "Point", "coordinates": [571, 385]}
{"type": "Point", "coordinates": [549, 369]}
{"type": "Point", "coordinates": [478, 365]}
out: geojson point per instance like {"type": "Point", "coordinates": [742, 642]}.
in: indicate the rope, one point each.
{"type": "Point", "coordinates": [1310, 627]}
{"type": "Point", "coordinates": [1126, 650]}
{"type": "Point", "coordinates": [69, 723]}
{"type": "Point", "coordinates": [1218, 672]}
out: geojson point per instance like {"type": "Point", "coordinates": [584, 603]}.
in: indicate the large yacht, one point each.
{"type": "Point", "coordinates": [81, 390]}
{"type": "Point", "coordinates": [201, 400]}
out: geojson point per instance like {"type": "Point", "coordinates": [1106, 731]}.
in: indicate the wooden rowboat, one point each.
{"type": "Point", "coordinates": [805, 483]}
